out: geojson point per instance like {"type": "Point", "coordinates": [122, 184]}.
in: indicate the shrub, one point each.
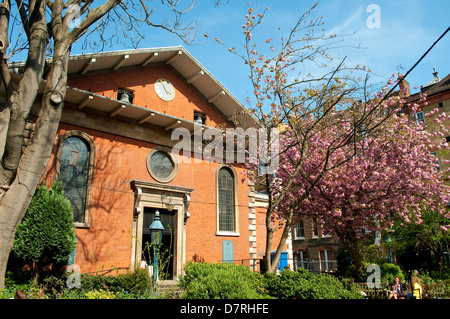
{"type": "Point", "coordinates": [287, 284]}
{"type": "Point", "coordinates": [302, 284]}
{"type": "Point", "coordinates": [136, 282]}
{"type": "Point", "coordinates": [46, 236]}
{"type": "Point", "coordinates": [221, 281]}
{"type": "Point", "coordinates": [390, 271]}
{"type": "Point", "coordinates": [229, 281]}
{"type": "Point", "coordinates": [351, 272]}
{"type": "Point", "coordinates": [100, 294]}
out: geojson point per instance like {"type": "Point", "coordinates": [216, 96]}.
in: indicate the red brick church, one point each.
{"type": "Point", "coordinates": [113, 153]}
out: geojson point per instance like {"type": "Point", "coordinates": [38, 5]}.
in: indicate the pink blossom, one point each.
{"type": "Point", "coordinates": [391, 176]}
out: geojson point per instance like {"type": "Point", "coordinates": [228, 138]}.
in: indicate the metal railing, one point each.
{"type": "Point", "coordinates": [316, 265]}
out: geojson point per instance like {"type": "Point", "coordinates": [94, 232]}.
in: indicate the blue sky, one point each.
{"type": "Point", "coordinates": [407, 29]}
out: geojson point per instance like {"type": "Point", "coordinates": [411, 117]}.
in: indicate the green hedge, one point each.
{"type": "Point", "coordinates": [201, 281]}
{"type": "Point", "coordinates": [134, 284]}
{"type": "Point", "coordinates": [229, 281]}
{"type": "Point", "coordinates": [221, 281]}
{"type": "Point", "coordinates": [303, 284]}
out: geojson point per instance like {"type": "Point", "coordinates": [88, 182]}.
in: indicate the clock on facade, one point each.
{"type": "Point", "coordinates": [164, 89]}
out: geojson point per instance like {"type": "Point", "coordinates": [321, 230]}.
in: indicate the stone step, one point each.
{"type": "Point", "coordinates": [170, 289]}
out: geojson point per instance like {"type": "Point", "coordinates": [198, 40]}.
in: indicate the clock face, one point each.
{"type": "Point", "coordinates": [164, 89]}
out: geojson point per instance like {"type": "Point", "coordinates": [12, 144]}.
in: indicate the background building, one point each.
{"type": "Point", "coordinates": [432, 95]}
{"type": "Point", "coordinates": [316, 251]}
{"type": "Point", "coordinates": [312, 248]}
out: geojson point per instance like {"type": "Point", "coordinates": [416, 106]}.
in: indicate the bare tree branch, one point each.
{"type": "Point", "coordinates": [93, 16]}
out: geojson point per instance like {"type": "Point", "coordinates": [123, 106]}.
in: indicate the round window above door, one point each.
{"type": "Point", "coordinates": [162, 165]}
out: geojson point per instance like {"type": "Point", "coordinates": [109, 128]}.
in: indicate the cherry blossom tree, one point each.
{"type": "Point", "coordinates": [392, 176]}
{"type": "Point", "coordinates": [340, 143]}
{"type": "Point", "coordinates": [300, 92]}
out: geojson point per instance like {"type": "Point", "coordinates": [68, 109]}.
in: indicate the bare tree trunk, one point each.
{"type": "Point", "coordinates": [269, 239]}
{"type": "Point", "coordinates": [21, 172]}
{"type": "Point", "coordinates": [353, 247]}
{"type": "Point", "coordinates": [356, 256]}
{"type": "Point", "coordinates": [19, 175]}
{"type": "Point", "coordinates": [269, 263]}
{"type": "Point", "coordinates": [34, 159]}
{"type": "Point", "coordinates": [284, 236]}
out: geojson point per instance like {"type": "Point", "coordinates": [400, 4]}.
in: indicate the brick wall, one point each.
{"type": "Point", "coordinates": [141, 82]}
{"type": "Point", "coordinates": [442, 103]}
{"type": "Point", "coordinates": [119, 160]}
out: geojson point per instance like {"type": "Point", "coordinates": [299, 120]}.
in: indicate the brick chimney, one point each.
{"type": "Point", "coordinates": [404, 86]}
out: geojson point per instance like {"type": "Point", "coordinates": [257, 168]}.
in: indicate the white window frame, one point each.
{"type": "Point", "coordinates": [314, 229]}
{"type": "Point", "coordinates": [235, 232]}
{"type": "Point", "coordinates": [326, 260]}
{"type": "Point", "coordinates": [298, 228]}
{"type": "Point", "coordinates": [420, 117]}
{"type": "Point", "coordinates": [301, 260]}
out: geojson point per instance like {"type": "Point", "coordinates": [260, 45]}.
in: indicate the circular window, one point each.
{"type": "Point", "coordinates": [162, 165]}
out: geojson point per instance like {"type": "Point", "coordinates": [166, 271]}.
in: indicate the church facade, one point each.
{"type": "Point", "coordinates": [115, 154]}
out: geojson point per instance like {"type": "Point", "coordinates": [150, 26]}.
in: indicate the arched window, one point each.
{"type": "Point", "coordinates": [75, 172]}
{"type": "Point", "coordinates": [226, 200]}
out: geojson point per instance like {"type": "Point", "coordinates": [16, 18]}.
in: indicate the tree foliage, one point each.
{"type": "Point", "coordinates": [301, 92]}
{"type": "Point", "coordinates": [430, 235]}
{"type": "Point", "coordinates": [303, 284]}
{"type": "Point", "coordinates": [393, 176]}
{"type": "Point", "coordinates": [46, 236]}
{"type": "Point", "coordinates": [346, 156]}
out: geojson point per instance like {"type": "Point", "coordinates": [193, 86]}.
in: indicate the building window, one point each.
{"type": "Point", "coordinates": [325, 234]}
{"type": "Point", "coordinates": [75, 171]}
{"type": "Point", "coordinates": [226, 193]}
{"type": "Point", "coordinates": [299, 230]}
{"type": "Point", "coordinates": [315, 232]}
{"type": "Point", "coordinates": [162, 165]}
{"type": "Point", "coordinates": [301, 259]}
{"type": "Point", "coordinates": [326, 260]}
{"type": "Point", "coordinates": [438, 162]}
{"type": "Point", "coordinates": [420, 118]}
